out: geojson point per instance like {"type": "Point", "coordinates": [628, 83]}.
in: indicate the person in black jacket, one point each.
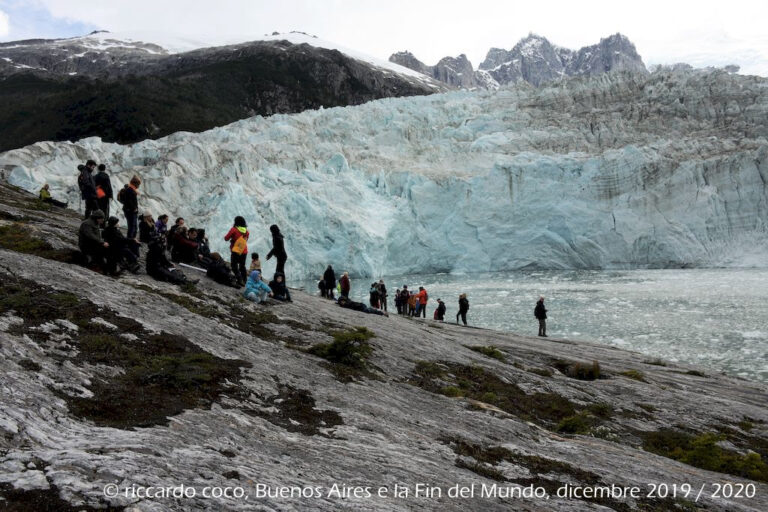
{"type": "Point", "coordinates": [124, 251]}
{"type": "Point", "coordinates": [440, 311]}
{"type": "Point", "coordinates": [147, 229]}
{"type": "Point", "coordinates": [102, 181]}
{"type": "Point", "coordinates": [382, 295]}
{"type": "Point", "coordinates": [329, 280]}
{"type": "Point", "coordinates": [219, 271]}
{"type": "Point", "coordinates": [278, 249]}
{"type": "Point", "coordinates": [540, 312]}
{"type": "Point", "coordinates": [359, 306]}
{"type": "Point", "coordinates": [92, 245]}
{"type": "Point", "coordinates": [160, 268]}
{"type": "Point", "coordinates": [463, 308]}
{"type": "Point", "coordinates": [279, 290]}
{"type": "Point", "coordinates": [129, 197]}
{"type": "Point", "coordinates": [88, 187]}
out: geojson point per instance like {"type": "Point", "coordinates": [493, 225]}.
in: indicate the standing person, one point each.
{"type": "Point", "coordinates": [238, 245]}
{"type": "Point", "coordinates": [129, 197]}
{"type": "Point", "coordinates": [421, 308]}
{"type": "Point", "coordinates": [329, 278]}
{"type": "Point", "coordinates": [45, 196]}
{"type": "Point", "coordinates": [103, 189]}
{"type": "Point", "coordinates": [88, 187]}
{"type": "Point", "coordinates": [278, 249]}
{"type": "Point", "coordinates": [147, 229]}
{"type": "Point", "coordinates": [404, 296]}
{"type": "Point", "coordinates": [383, 294]}
{"type": "Point", "coordinates": [161, 226]}
{"type": "Point", "coordinates": [255, 262]}
{"type": "Point", "coordinates": [373, 296]}
{"type": "Point", "coordinates": [463, 308]}
{"type": "Point", "coordinates": [345, 285]}
{"type": "Point", "coordinates": [321, 287]}
{"type": "Point", "coordinates": [397, 302]}
{"type": "Point", "coordinates": [440, 311]}
{"type": "Point", "coordinates": [540, 312]}
{"type": "Point", "coordinates": [413, 300]}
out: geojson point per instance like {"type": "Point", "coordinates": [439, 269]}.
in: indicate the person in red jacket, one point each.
{"type": "Point", "coordinates": [421, 308]}
{"type": "Point", "coordinates": [237, 238]}
{"type": "Point", "coordinates": [345, 285]}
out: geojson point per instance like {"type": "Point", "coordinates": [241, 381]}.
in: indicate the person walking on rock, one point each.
{"type": "Point", "coordinates": [129, 197]}
{"type": "Point", "coordinates": [463, 308]}
{"type": "Point", "coordinates": [329, 280]}
{"type": "Point", "coordinates": [238, 246]}
{"type": "Point", "coordinates": [278, 249]}
{"type": "Point", "coordinates": [103, 189]}
{"type": "Point", "coordinates": [540, 312]}
{"type": "Point", "coordinates": [88, 187]}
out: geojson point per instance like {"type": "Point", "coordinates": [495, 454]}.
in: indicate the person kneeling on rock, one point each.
{"type": "Point", "coordinates": [255, 289]}
{"type": "Point", "coordinates": [359, 306]}
{"type": "Point", "coordinates": [160, 268]}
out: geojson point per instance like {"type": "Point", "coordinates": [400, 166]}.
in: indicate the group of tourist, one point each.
{"type": "Point", "coordinates": [104, 246]}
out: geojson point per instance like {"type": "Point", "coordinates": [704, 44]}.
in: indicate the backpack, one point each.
{"type": "Point", "coordinates": [100, 194]}
{"type": "Point", "coordinates": [240, 245]}
{"type": "Point", "coordinates": [120, 195]}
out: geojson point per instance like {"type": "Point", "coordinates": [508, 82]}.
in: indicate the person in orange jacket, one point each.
{"type": "Point", "coordinates": [237, 238]}
{"type": "Point", "coordinates": [421, 307]}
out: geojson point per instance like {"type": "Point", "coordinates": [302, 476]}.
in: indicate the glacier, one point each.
{"type": "Point", "coordinates": [616, 171]}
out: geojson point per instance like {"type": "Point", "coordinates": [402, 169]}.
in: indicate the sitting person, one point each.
{"type": "Point", "coordinates": [124, 251]}
{"type": "Point", "coordinates": [184, 246]}
{"type": "Point", "coordinates": [358, 306]}
{"type": "Point", "coordinates": [160, 268]}
{"type": "Point", "coordinates": [93, 246]}
{"type": "Point", "coordinates": [147, 229]}
{"type": "Point", "coordinates": [203, 249]}
{"type": "Point", "coordinates": [161, 225]}
{"type": "Point", "coordinates": [279, 290]}
{"type": "Point", "coordinates": [45, 196]}
{"type": "Point", "coordinates": [219, 271]}
{"type": "Point", "coordinates": [255, 289]}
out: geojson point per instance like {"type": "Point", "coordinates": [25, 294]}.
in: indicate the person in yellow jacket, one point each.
{"type": "Point", "coordinates": [45, 196]}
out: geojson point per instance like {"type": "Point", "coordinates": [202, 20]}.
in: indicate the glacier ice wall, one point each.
{"type": "Point", "coordinates": [617, 171]}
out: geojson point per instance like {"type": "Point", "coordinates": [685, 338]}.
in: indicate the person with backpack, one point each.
{"type": "Point", "coordinates": [256, 290]}
{"type": "Point", "coordinates": [329, 281]}
{"type": "Point", "coordinates": [219, 271]}
{"type": "Point", "coordinates": [124, 251]}
{"type": "Point", "coordinates": [103, 189]}
{"type": "Point", "coordinates": [540, 312]}
{"type": "Point", "coordinates": [45, 196]}
{"type": "Point", "coordinates": [440, 311]}
{"type": "Point", "coordinates": [237, 237]}
{"type": "Point", "coordinates": [129, 198]}
{"type": "Point", "coordinates": [344, 285]}
{"type": "Point", "coordinates": [278, 249]}
{"type": "Point", "coordinates": [463, 308]}
{"type": "Point", "coordinates": [421, 306]}
{"type": "Point", "coordinates": [88, 187]}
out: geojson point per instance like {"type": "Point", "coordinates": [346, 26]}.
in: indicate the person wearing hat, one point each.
{"type": "Point", "coordinates": [256, 289]}
{"type": "Point", "coordinates": [91, 244]}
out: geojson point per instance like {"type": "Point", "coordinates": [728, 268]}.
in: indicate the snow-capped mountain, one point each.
{"type": "Point", "coordinates": [533, 59]}
{"type": "Point", "coordinates": [618, 170]}
{"type": "Point", "coordinates": [126, 88]}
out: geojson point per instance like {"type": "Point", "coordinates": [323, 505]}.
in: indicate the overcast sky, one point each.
{"type": "Point", "coordinates": [699, 32]}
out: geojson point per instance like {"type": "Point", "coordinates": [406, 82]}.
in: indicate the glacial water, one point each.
{"type": "Point", "coordinates": [717, 319]}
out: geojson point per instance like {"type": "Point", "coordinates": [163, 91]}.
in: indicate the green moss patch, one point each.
{"type": "Point", "coordinates": [162, 374]}
{"type": "Point", "coordinates": [702, 451]}
{"type": "Point", "coordinates": [634, 375]}
{"type": "Point", "coordinates": [453, 379]}
{"type": "Point", "coordinates": [348, 354]}
{"type": "Point", "coordinates": [578, 370]}
{"type": "Point", "coordinates": [19, 238]}
{"type": "Point", "coordinates": [489, 351]}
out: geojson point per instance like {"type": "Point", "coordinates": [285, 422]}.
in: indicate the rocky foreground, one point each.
{"type": "Point", "coordinates": [133, 383]}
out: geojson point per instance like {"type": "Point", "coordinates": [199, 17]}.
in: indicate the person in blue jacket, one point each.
{"type": "Point", "coordinates": [256, 289]}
